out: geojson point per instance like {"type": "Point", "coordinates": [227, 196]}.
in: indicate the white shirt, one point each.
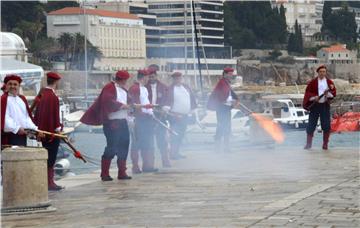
{"type": "Point", "coordinates": [322, 87]}
{"type": "Point", "coordinates": [16, 115]}
{"type": "Point", "coordinates": [144, 100]}
{"type": "Point", "coordinates": [121, 96]}
{"type": "Point", "coordinates": [229, 100]}
{"type": "Point", "coordinates": [182, 100]}
{"type": "Point", "coordinates": [154, 93]}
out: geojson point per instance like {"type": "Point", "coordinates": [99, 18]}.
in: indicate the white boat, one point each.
{"type": "Point", "coordinates": [285, 112]}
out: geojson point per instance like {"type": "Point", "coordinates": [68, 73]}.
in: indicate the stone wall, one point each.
{"type": "Point", "coordinates": [349, 72]}
{"type": "Point", "coordinates": [263, 73]}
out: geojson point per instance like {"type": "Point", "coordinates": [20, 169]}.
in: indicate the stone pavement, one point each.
{"type": "Point", "coordinates": [251, 187]}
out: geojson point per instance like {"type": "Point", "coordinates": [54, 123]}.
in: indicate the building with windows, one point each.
{"type": "Point", "coordinates": [177, 27]}
{"type": "Point", "coordinates": [120, 36]}
{"type": "Point", "coordinates": [336, 54]}
{"type": "Point", "coordinates": [170, 38]}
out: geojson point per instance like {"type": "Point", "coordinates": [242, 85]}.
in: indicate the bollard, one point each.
{"type": "Point", "coordinates": [24, 179]}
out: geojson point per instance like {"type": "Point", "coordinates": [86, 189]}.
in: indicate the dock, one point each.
{"type": "Point", "coordinates": [254, 186]}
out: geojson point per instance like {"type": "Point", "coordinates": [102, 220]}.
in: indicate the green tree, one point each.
{"type": "Point", "coordinates": [43, 49]}
{"type": "Point", "coordinates": [291, 43]}
{"type": "Point", "coordinates": [93, 54]}
{"type": "Point", "coordinates": [255, 20]}
{"type": "Point", "coordinates": [325, 15]}
{"type": "Point", "coordinates": [283, 25]}
{"type": "Point", "coordinates": [66, 40]}
{"type": "Point", "coordinates": [276, 53]}
{"type": "Point", "coordinates": [342, 24]}
{"type": "Point", "coordinates": [78, 53]}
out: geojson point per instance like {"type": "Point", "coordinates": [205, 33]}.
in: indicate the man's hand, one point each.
{"type": "Point", "coordinates": [40, 135]}
{"type": "Point", "coordinates": [125, 106]}
{"type": "Point", "coordinates": [317, 98]}
{"type": "Point", "coordinates": [21, 131]}
{"type": "Point", "coordinates": [332, 86]}
{"type": "Point", "coordinates": [236, 104]}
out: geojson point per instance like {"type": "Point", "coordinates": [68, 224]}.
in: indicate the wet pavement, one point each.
{"type": "Point", "coordinates": [254, 186]}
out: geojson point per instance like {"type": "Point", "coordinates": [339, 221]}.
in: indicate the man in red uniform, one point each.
{"type": "Point", "coordinates": [47, 118]}
{"type": "Point", "coordinates": [317, 98]}
{"type": "Point", "coordinates": [15, 113]}
{"type": "Point", "coordinates": [157, 96]}
{"type": "Point", "coordinates": [180, 103]}
{"type": "Point", "coordinates": [222, 100]}
{"type": "Point", "coordinates": [144, 126]}
{"type": "Point", "coordinates": [110, 109]}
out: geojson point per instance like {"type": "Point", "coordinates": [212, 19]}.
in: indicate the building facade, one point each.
{"type": "Point", "coordinates": [119, 36]}
{"type": "Point", "coordinates": [336, 54]}
{"type": "Point", "coordinates": [176, 23]}
{"type": "Point", "coordinates": [170, 39]}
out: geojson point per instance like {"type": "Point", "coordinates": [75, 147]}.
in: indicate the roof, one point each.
{"type": "Point", "coordinates": [336, 48]}
{"type": "Point", "coordinates": [103, 13]}
{"type": "Point", "coordinates": [11, 41]}
{"type": "Point", "coordinates": [25, 70]}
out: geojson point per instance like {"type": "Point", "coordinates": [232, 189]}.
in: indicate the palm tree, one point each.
{"type": "Point", "coordinates": [93, 54]}
{"type": "Point", "coordinates": [66, 40]}
{"type": "Point", "coordinates": [77, 51]}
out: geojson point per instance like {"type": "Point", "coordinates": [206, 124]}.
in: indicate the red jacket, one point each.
{"type": "Point", "coordinates": [104, 104]}
{"type": "Point", "coordinates": [161, 92]}
{"type": "Point", "coordinates": [4, 139]}
{"type": "Point", "coordinates": [170, 96]}
{"type": "Point", "coordinates": [47, 114]}
{"type": "Point", "coordinates": [219, 94]}
{"type": "Point", "coordinates": [134, 93]}
{"type": "Point", "coordinates": [312, 90]}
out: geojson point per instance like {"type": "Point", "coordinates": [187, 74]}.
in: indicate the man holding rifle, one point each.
{"type": "Point", "coordinates": [110, 109]}
{"type": "Point", "coordinates": [144, 125]}
{"type": "Point", "coordinates": [47, 118]}
{"type": "Point", "coordinates": [317, 98]}
{"type": "Point", "coordinates": [222, 100]}
{"type": "Point", "coordinates": [157, 96]}
{"type": "Point", "coordinates": [15, 114]}
{"type": "Point", "coordinates": [180, 103]}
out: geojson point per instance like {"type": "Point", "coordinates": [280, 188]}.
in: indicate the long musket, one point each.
{"type": "Point", "coordinates": [164, 126]}
{"type": "Point", "coordinates": [314, 102]}
{"type": "Point", "coordinates": [149, 106]}
{"type": "Point", "coordinates": [65, 139]}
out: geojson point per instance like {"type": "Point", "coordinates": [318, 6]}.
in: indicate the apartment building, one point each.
{"type": "Point", "coordinates": [120, 36]}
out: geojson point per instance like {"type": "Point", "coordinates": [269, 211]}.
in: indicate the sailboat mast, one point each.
{"type": "Point", "coordinates": [85, 52]}
{"type": "Point", "coordinates": [197, 47]}
{"type": "Point", "coordinates": [185, 34]}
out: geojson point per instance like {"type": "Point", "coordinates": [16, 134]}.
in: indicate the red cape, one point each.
{"type": "Point", "coordinates": [170, 97]}
{"type": "Point", "coordinates": [219, 94]}
{"type": "Point", "coordinates": [4, 97]}
{"type": "Point", "coordinates": [312, 90]}
{"type": "Point", "coordinates": [47, 114]}
{"type": "Point", "coordinates": [105, 104]}
{"type": "Point", "coordinates": [161, 92]}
